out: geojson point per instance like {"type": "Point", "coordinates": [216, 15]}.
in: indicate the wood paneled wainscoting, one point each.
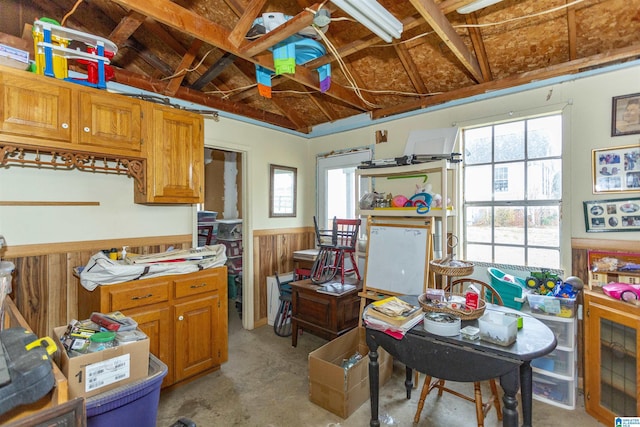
{"type": "Point", "coordinates": [44, 287]}
{"type": "Point", "coordinates": [273, 251]}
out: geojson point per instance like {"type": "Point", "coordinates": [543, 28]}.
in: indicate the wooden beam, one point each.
{"type": "Point", "coordinates": [478, 46]}
{"type": "Point", "coordinates": [572, 32]}
{"type": "Point", "coordinates": [411, 68]}
{"type": "Point", "coordinates": [246, 21]}
{"type": "Point", "coordinates": [152, 85]}
{"type": "Point", "coordinates": [126, 27]}
{"type": "Point", "coordinates": [289, 28]}
{"type": "Point", "coordinates": [214, 71]}
{"type": "Point", "coordinates": [441, 25]}
{"type": "Point", "coordinates": [215, 34]}
{"type": "Point", "coordinates": [185, 63]}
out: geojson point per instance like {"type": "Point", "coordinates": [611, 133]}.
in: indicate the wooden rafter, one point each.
{"type": "Point", "coordinates": [246, 21]}
{"type": "Point", "coordinates": [215, 34]}
{"type": "Point", "coordinates": [411, 68]}
{"type": "Point", "coordinates": [441, 25]}
{"type": "Point", "coordinates": [126, 27]}
{"type": "Point", "coordinates": [146, 83]}
{"type": "Point", "coordinates": [478, 46]}
{"type": "Point", "coordinates": [185, 63]}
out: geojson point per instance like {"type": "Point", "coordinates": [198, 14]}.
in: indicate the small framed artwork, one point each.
{"type": "Point", "coordinates": [616, 169]}
{"type": "Point", "coordinates": [612, 215]}
{"type": "Point", "coordinates": [625, 115]}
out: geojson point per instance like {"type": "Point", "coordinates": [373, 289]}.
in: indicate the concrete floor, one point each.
{"type": "Point", "coordinates": [264, 384]}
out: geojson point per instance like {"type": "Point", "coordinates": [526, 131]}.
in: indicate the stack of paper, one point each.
{"type": "Point", "coordinates": [393, 316]}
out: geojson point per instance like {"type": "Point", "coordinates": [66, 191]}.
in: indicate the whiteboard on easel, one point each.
{"type": "Point", "coordinates": [398, 258]}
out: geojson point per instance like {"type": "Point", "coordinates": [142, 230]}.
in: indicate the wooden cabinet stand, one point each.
{"type": "Point", "coordinates": [611, 357]}
{"type": "Point", "coordinates": [185, 317]}
{"type": "Point", "coordinates": [327, 316]}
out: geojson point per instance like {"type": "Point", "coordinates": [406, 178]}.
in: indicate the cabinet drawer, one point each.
{"type": "Point", "coordinates": [198, 285]}
{"type": "Point", "coordinates": [138, 296]}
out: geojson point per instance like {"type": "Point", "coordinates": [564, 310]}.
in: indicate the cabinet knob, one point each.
{"type": "Point", "coordinates": [199, 286]}
{"type": "Point", "coordinates": [86, 129]}
{"type": "Point", "coordinates": [65, 126]}
{"type": "Point", "coordinates": [180, 317]}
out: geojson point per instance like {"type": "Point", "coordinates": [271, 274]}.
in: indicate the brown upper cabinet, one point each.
{"type": "Point", "coordinates": [45, 113]}
{"type": "Point", "coordinates": [175, 156]}
{"type": "Point", "coordinates": [42, 111]}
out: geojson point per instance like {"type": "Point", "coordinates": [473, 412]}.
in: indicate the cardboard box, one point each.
{"type": "Point", "coordinates": [94, 373]}
{"type": "Point", "coordinates": [337, 390]}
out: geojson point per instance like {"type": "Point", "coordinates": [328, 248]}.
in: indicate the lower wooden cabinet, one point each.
{"type": "Point", "coordinates": [185, 317]}
{"type": "Point", "coordinates": [611, 348]}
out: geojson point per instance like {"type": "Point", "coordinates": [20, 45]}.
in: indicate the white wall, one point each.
{"type": "Point", "coordinates": [262, 147]}
{"type": "Point", "coordinates": [115, 217]}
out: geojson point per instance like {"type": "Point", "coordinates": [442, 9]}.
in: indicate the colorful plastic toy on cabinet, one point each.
{"type": "Point", "coordinates": [51, 47]}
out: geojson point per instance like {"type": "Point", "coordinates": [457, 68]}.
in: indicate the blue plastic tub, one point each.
{"type": "Point", "coordinates": [512, 290]}
{"type": "Point", "coordinates": [134, 404]}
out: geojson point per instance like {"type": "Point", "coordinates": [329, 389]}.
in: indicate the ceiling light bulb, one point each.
{"type": "Point", "coordinates": [476, 5]}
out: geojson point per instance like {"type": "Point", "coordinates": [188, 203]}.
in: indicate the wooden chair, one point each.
{"type": "Point", "coordinates": [489, 294]}
{"type": "Point", "coordinates": [335, 244]}
{"type": "Point", "coordinates": [282, 322]}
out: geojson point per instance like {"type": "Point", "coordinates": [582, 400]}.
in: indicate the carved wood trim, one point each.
{"type": "Point", "coordinates": [133, 167]}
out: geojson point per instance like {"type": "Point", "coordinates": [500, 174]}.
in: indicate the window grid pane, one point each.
{"type": "Point", "coordinates": [513, 190]}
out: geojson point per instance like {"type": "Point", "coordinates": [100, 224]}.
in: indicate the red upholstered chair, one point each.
{"type": "Point", "coordinates": [489, 294]}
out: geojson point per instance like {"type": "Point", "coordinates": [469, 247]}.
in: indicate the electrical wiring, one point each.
{"type": "Point", "coordinates": [187, 70]}
{"type": "Point", "coordinates": [227, 93]}
{"type": "Point", "coordinates": [520, 18]}
{"type": "Point", "coordinates": [71, 12]}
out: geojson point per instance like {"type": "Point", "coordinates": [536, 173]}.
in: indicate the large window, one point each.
{"type": "Point", "coordinates": [513, 192]}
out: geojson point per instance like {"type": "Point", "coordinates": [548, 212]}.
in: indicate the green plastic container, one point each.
{"type": "Point", "coordinates": [513, 294]}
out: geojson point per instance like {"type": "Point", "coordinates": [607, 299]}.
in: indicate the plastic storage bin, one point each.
{"type": "Point", "coordinates": [558, 361]}
{"type": "Point", "coordinates": [552, 306]}
{"type": "Point", "coordinates": [498, 328]}
{"type": "Point", "coordinates": [134, 404]}
{"type": "Point", "coordinates": [230, 229]}
{"type": "Point", "coordinates": [512, 289]}
{"type": "Point", "coordinates": [555, 391]}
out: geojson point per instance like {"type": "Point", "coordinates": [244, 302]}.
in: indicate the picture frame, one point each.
{"type": "Point", "coordinates": [612, 215]}
{"type": "Point", "coordinates": [616, 169]}
{"type": "Point", "coordinates": [625, 115]}
{"type": "Point", "coordinates": [282, 191]}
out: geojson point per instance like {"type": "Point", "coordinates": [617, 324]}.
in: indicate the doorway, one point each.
{"type": "Point", "coordinates": [223, 188]}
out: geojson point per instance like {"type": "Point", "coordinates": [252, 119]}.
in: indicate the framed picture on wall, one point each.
{"type": "Point", "coordinates": [612, 215]}
{"type": "Point", "coordinates": [616, 169]}
{"type": "Point", "coordinates": [625, 115]}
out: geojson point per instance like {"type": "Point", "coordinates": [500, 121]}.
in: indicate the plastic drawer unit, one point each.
{"type": "Point", "coordinates": [555, 375]}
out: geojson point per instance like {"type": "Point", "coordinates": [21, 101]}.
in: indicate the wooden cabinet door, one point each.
{"type": "Point", "coordinates": [196, 336]}
{"type": "Point", "coordinates": [35, 108]}
{"type": "Point", "coordinates": [155, 323]}
{"type": "Point", "coordinates": [109, 122]}
{"type": "Point", "coordinates": [175, 158]}
{"type": "Point", "coordinates": [611, 353]}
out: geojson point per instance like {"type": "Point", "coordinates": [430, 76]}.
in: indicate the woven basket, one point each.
{"type": "Point", "coordinates": [462, 314]}
{"type": "Point", "coordinates": [448, 270]}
